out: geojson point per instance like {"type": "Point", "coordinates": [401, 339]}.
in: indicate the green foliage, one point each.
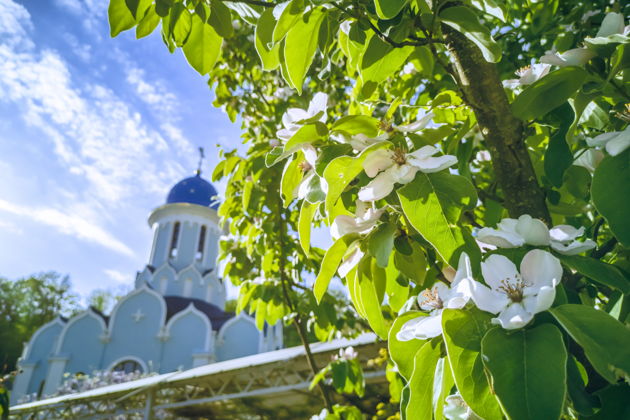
{"type": "Point", "coordinates": [433, 204]}
{"type": "Point", "coordinates": [528, 371]}
{"type": "Point", "coordinates": [384, 65]}
{"type": "Point", "coordinates": [27, 304]}
{"type": "Point", "coordinates": [463, 332]}
{"type": "Point", "coordinates": [611, 195]}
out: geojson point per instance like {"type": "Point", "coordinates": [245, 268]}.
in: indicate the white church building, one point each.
{"type": "Point", "coordinates": [174, 319]}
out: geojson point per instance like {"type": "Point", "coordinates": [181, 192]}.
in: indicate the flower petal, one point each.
{"type": "Point", "coordinates": [350, 262]}
{"type": "Point", "coordinates": [292, 115]}
{"type": "Point", "coordinates": [318, 104]}
{"type": "Point", "coordinates": [612, 24]}
{"type": "Point", "coordinates": [533, 231]}
{"type": "Point", "coordinates": [565, 233]}
{"type": "Point", "coordinates": [539, 268]}
{"type": "Point", "coordinates": [423, 152]}
{"type": "Point", "coordinates": [540, 302]}
{"type": "Point", "coordinates": [619, 143]}
{"type": "Point", "coordinates": [464, 269]}
{"type": "Point", "coordinates": [573, 248]}
{"type": "Point", "coordinates": [422, 328]}
{"type": "Point", "coordinates": [513, 317]}
{"type": "Point", "coordinates": [577, 56]}
{"type": "Point", "coordinates": [378, 188]}
{"type": "Point", "coordinates": [417, 125]}
{"type": "Point", "coordinates": [486, 299]}
{"type": "Point", "coordinates": [497, 268]}
{"type": "Point", "coordinates": [377, 161]}
{"type": "Point", "coordinates": [343, 225]}
{"type": "Point", "coordinates": [310, 154]}
{"type": "Point", "coordinates": [602, 139]}
{"type": "Point", "coordinates": [434, 164]}
{"type": "Point", "coordinates": [589, 159]}
{"type": "Point", "coordinates": [403, 174]}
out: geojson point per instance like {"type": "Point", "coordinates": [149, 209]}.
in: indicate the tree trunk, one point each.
{"type": "Point", "coordinates": [480, 82]}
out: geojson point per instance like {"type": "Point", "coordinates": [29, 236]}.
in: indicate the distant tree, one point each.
{"type": "Point", "coordinates": [25, 305]}
{"type": "Point", "coordinates": [104, 300]}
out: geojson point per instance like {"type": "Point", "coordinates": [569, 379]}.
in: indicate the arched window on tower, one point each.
{"type": "Point", "coordinates": [173, 249]}
{"type": "Point", "coordinates": [201, 244]}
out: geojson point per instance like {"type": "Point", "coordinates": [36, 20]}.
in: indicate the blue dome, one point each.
{"type": "Point", "coordinates": [194, 190]}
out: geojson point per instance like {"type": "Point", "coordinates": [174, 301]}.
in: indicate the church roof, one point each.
{"type": "Point", "coordinates": [194, 190]}
{"type": "Point", "coordinates": [216, 315]}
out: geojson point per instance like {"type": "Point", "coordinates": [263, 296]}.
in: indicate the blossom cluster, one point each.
{"type": "Point", "coordinates": [513, 295]}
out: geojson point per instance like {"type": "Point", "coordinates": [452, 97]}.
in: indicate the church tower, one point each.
{"type": "Point", "coordinates": [183, 260]}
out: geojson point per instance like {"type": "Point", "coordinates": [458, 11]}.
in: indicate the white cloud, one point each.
{"type": "Point", "coordinates": [109, 152]}
{"type": "Point", "coordinates": [155, 94]}
{"type": "Point", "coordinates": [118, 276]}
{"type": "Point", "coordinates": [10, 227]}
{"type": "Point", "coordinates": [69, 224]}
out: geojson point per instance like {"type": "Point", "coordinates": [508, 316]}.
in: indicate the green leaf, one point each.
{"type": "Point", "coordinates": [583, 402]}
{"type": "Point", "coordinates": [291, 178]}
{"type": "Point", "coordinates": [414, 265]}
{"type": "Point", "coordinates": [357, 124]}
{"type": "Point", "coordinates": [342, 170]}
{"type": "Point", "coordinates": [308, 133]}
{"type": "Point", "coordinates": [148, 23]}
{"type": "Point", "coordinates": [443, 382]}
{"type": "Point", "coordinates": [558, 156]}
{"type": "Point", "coordinates": [221, 19]}
{"type": "Point", "coordinates": [370, 299]}
{"type": "Point", "coordinates": [606, 341]}
{"type": "Point", "coordinates": [402, 352]}
{"type": "Point", "coordinates": [388, 9]}
{"type": "Point", "coordinates": [598, 271]}
{"type": "Point", "coordinates": [463, 331]}
{"type": "Point", "coordinates": [421, 382]}
{"type": "Point", "coordinates": [329, 266]}
{"type": "Point", "coordinates": [119, 16]}
{"type": "Point", "coordinates": [397, 290]}
{"type": "Point", "coordinates": [203, 48]}
{"type": "Point", "coordinates": [548, 93]}
{"type": "Point", "coordinates": [381, 60]}
{"type": "Point", "coordinates": [464, 20]}
{"type": "Point", "coordinates": [307, 211]}
{"type": "Point", "coordinates": [290, 13]}
{"type": "Point", "coordinates": [611, 194]}
{"type": "Point", "coordinates": [180, 23]}
{"type": "Point", "coordinates": [270, 57]}
{"type": "Point", "coordinates": [138, 7]}
{"type": "Point", "coordinates": [433, 204]}
{"type": "Point", "coordinates": [381, 243]}
{"type": "Point", "coordinates": [300, 46]}
{"type": "Point", "coordinates": [528, 369]}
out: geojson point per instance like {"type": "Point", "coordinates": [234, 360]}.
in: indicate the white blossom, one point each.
{"type": "Point", "coordinates": [589, 159]}
{"type": "Point", "coordinates": [573, 57]}
{"type": "Point", "coordinates": [526, 230]}
{"type": "Point", "coordinates": [435, 300]}
{"type": "Point", "coordinates": [360, 141]}
{"type": "Point", "coordinates": [423, 121]}
{"type": "Point", "coordinates": [517, 297]}
{"type": "Point", "coordinates": [292, 117]}
{"type": "Point", "coordinates": [308, 168]}
{"type": "Point", "coordinates": [564, 240]}
{"type": "Point", "coordinates": [614, 142]}
{"type": "Point", "coordinates": [364, 221]}
{"type": "Point", "coordinates": [528, 75]}
{"type": "Point", "coordinates": [347, 354]}
{"type": "Point", "coordinates": [612, 24]}
{"type": "Point", "coordinates": [389, 167]}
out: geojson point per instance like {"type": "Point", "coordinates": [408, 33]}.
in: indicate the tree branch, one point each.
{"type": "Point", "coordinates": [502, 131]}
{"type": "Point", "coordinates": [254, 2]}
{"type": "Point", "coordinates": [299, 325]}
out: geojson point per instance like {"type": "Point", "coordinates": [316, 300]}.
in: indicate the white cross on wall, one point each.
{"type": "Point", "coordinates": [137, 316]}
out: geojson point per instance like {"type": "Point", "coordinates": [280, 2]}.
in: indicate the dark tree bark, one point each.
{"type": "Point", "coordinates": [504, 133]}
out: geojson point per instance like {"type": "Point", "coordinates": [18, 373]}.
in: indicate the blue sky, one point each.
{"type": "Point", "coordinates": [93, 133]}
